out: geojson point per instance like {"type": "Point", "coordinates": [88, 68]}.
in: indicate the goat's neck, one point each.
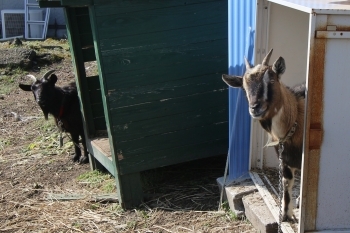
{"type": "Point", "coordinates": [285, 114]}
{"type": "Point", "coordinates": [58, 99]}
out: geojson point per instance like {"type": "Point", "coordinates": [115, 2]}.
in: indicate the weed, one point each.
{"type": "Point", "coordinates": [8, 78]}
{"type": "Point", "coordinates": [4, 143]}
{"type": "Point", "coordinates": [229, 213]}
{"type": "Point", "coordinates": [47, 141]}
{"type": "Point", "coordinates": [116, 207]}
{"type": "Point", "coordinates": [131, 224]}
{"type": "Point", "coordinates": [94, 206]}
{"type": "Point", "coordinates": [76, 225]}
{"type": "Point", "coordinates": [109, 186]}
{"type": "Point", "coordinates": [144, 214]}
{"type": "Point", "coordinates": [97, 179]}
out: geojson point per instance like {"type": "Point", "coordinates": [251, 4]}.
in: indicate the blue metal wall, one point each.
{"type": "Point", "coordinates": [241, 30]}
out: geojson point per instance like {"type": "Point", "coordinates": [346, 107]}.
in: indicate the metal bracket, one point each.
{"type": "Point", "coordinates": [332, 34]}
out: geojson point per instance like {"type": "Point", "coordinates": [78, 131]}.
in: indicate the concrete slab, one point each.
{"type": "Point", "coordinates": [234, 191]}
{"type": "Point", "coordinates": [259, 214]}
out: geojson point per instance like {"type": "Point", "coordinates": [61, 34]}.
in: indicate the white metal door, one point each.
{"type": "Point", "coordinates": [36, 20]}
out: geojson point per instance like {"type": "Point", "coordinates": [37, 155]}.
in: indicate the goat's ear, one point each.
{"type": "Point", "coordinates": [279, 67]}
{"type": "Point", "coordinates": [25, 87]}
{"type": "Point", "coordinates": [232, 81]}
{"type": "Point", "coordinates": [52, 79]}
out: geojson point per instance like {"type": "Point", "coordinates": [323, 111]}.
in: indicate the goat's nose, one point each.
{"type": "Point", "coordinates": [40, 102]}
{"type": "Point", "coordinates": [255, 106]}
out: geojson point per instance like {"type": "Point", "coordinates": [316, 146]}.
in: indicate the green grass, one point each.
{"type": "Point", "coordinates": [97, 179]}
{"type": "Point", "coordinates": [4, 143]}
{"type": "Point", "coordinates": [47, 140]}
{"type": "Point", "coordinates": [8, 80]}
{"type": "Point", "coordinates": [229, 213]}
{"type": "Point", "coordinates": [115, 208]}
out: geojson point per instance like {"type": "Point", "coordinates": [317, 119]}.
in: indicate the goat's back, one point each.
{"type": "Point", "coordinates": [299, 90]}
{"type": "Point", "coordinates": [70, 89]}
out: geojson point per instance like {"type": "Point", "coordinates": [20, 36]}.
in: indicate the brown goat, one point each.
{"type": "Point", "coordinates": [280, 110]}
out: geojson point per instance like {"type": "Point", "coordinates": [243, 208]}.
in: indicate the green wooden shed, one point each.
{"type": "Point", "coordinates": [158, 98]}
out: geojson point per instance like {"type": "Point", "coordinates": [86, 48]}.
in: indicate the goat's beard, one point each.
{"type": "Point", "coordinates": [46, 113]}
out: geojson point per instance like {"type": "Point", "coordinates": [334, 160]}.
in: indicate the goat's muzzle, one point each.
{"type": "Point", "coordinates": [257, 111]}
{"type": "Point", "coordinates": [42, 103]}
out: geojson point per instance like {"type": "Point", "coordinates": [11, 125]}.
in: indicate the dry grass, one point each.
{"type": "Point", "coordinates": [179, 198]}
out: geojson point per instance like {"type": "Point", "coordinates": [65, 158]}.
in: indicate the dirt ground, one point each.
{"type": "Point", "coordinates": [33, 169]}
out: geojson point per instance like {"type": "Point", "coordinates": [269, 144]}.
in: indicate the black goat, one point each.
{"type": "Point", "coordinates": [63, 104]}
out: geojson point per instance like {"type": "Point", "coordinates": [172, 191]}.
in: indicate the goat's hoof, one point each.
{"type": "Point", "coordinates": [84, 160]}
{"type": "Point", "coordinates": [76, 158]}
{"type": "Point", "coordinates": [287, 218]}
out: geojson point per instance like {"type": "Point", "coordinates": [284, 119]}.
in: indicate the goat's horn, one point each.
{"type": "Point", "coordinates": [247, 64]}
{"type": "Point", "coordinates": [48, 73]}
{"type": "Point", "coordinates": [267, 58]}
{"type": "Point", "coordinates": [32, 77]}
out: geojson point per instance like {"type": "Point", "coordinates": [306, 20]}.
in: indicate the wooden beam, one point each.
{"type": "Point", "coordinates": [109, 197]}
{"type": "Point", "coordinates": [49, 4]}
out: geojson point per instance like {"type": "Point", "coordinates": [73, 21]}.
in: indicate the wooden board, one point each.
{"type": "Point", "coordinates": [110, 197]}
{"type": "Point", "coordinates": [102, 144]}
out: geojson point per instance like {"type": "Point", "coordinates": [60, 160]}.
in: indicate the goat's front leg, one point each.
{"type": "Point", "coordinates": [84, 158]}
{"type": "Point", "coordinates": [75, 139]}
{"type": "Point", "coordinates": [288, 182]}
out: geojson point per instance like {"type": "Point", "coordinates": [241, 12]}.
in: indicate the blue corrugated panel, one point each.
{"type": "Point", "coordinates": [241, 28]}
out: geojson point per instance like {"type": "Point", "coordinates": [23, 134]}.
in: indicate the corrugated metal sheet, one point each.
{"type": "Point", "coordinates": [241, 28]}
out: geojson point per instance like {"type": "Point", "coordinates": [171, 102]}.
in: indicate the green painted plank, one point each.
{"type": "Point", "coordinates": [152, 143]}
{"type": "Point", "coordinates": [97, 110]}
{"type": "Point", "coordinates": [95, 96]}
{"type": "Point", "coordinates": [77, 3]}
{"type": "Point", "coordinates": [49, 4]}
{"type": "Point", "coordinates": [79, 68]}
{"type": "Point", "coordinates": [93, 82]}
{"type": "Point", "coordinates": [154, 126]}
{"type": "Point", "coordinates": [166, 90]}
{"type": "Point", "coordinates": [173, 156]}
{"type": "Point", "coordinates": [81, 11]}
{"type": "Point", "coordinates": [153, 20]}
{"type": "Point", "coordinates": [100, 123]}
{"type": "Point", "coordinates": [102, 158]}
{"type": "Point", "coordinates": [167, 107]}
{"type": "Point", "coordinates": [162, 39]}
{"type": "Point", "coordinates": [96, 103]}
{"type": "Point", "coordinates": [124, 194]}
{"type": "Point", "coordinates": [110, 7]}
{"type": "Point", "coordinates": [165, 73]}
{"type": "Point", "coordinates": [86, 40]}
{"type": "Point", "coordinates": [130, 190]}
{"type": "Point", "coordinates": [84, 23]}
{"type": "Point", "coordinates": [95, 164]}
{"type": "Point", "coordinates": [212, 51]}
{"type": "Point", "coordinates": [89, 54]}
